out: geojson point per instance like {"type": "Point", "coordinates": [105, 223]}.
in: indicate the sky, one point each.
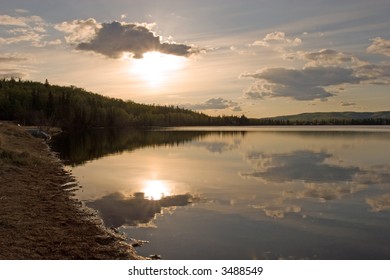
{"type": "Point", "coordinates": [221, 57]}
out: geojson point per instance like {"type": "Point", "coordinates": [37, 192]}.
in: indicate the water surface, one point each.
{"type": "Point", "coordinates": [240, 193]}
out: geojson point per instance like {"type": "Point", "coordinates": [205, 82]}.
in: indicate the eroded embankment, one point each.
{"type": "Point", "coordinates": [39, 218]}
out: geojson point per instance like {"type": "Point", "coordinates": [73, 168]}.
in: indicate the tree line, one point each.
{"type": "Point", "coordinates": [35, 103]}
{"type": "Point", "coordinates": [43, 104]}
{"type": "Point", "coordinates": [330, 121]}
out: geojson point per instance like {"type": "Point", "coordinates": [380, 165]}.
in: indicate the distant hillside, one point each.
{"type": "Point", "coordinates": [335, 115]}
{"type": "Point", "coordinates": [35, 103]}
{"type": "Point", "coordinates": [331, 118]}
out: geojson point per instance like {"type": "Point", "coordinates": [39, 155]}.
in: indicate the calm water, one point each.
{"type": "Point", "coordinates": [257, 193]}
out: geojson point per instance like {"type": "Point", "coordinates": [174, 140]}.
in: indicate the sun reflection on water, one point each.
{"type": "Point", "coordinates": [156, 189]}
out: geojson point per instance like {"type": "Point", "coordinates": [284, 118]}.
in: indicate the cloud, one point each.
{"type": "Point", "coordinates": [118, 210]}
{"type": "Point", "coordinates": [379, 203]}
{"type": "Point", "coordinates": [329, 57]}
{"type": "Point", "coordinates": [379, 46]}
{"type": "Point", "coordinates": [23, 29]}
{"type": "Point", "coordinates": [321, 180]}
{"type": "Point", "coordinates": [329, 191]}
{"type": "Point", "coordinates": [276, 38]}
{"type": "Point", "coordinates": [15, 65]}
{"type": "Point", "coordinates": [305, 165]}
{"type": "Point", "coordinates": [377, 74]}
{"type": "Point", "coordinates": [24, 35]}
{"type": "Point", "coordinates": [322, 75]}
{"type": "Point", "coordinates": [325, 57]}
{"type": "Point", "coordinates": [277, 208]}
{"type": "Point", "coordinates": [10, 58]}
{"type": "Point", "coordinates": [318, 179]}
{"type": "Point", "coordinates": [214, 147]}
{"type": "Point", "coordinates": [306, 84]}
{"type": "Point", "coordinates": [378, 174]}
{"type": "Point", "coordinates": [280, 43]}
{"type": "Point", "coordinates": [215, 104]}
{"type": "Point", "coordinates": [21, 11]}
{"type": "Point", "coordinates": [347, 104]}
{"type": "Point", "coordinates": [218, 147]}
{"type": "Point", "coordinates": [115, 39]}
{"type": "Point", "coordinates": [54, 42]}
{"type": "Point", "coordinates": [11, 73]}
{"type": "Point", "coordinates": [79, 30]}
{"type": "Point", "coordinates": [14, 21]}
{"type": "Point", "coordinates": [21, 21]}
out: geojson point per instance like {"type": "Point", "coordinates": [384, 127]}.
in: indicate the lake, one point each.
{"type": "Point", "coordinates": [240, 192]}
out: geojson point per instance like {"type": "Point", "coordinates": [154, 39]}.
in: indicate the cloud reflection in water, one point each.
{"type": "Point", "coordinates": [379, 203]}
{"type": "Point", "coordinates": [306, 165]}
{"type": "Point", "coordinates": [265, 194]}
{"type": "Point", "coordinates": [118, 210]}
{"type": "Point", "coordinates": [321, 177]}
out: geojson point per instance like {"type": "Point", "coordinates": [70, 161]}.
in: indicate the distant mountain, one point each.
{"type": "Point", "coordinates": [335, 115]}
{"type": "Point", "coordinates": [331, 118]}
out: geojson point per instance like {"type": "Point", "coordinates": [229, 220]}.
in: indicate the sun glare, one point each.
{"type": "Point", "coordinates": [156, 68]}
{"type": "Point", "coordinates": [155, 189]}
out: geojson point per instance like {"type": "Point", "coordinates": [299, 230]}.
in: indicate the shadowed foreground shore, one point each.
{"type": "Point", "coordinates": [39, 218]}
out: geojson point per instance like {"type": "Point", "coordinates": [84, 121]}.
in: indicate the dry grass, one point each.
{"type": "Point", "coordinates": [17, 158]}
{"type": "Point", "coordinates": [39, 219]}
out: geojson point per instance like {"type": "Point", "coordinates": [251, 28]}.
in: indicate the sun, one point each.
{"type": "Point", "coordinates": [156, 68]}
{"type": "Point", "coordinates": [155, 189]}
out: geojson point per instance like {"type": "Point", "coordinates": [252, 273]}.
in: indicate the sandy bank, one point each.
{"type": "Point", "coordinates": [39, 218]}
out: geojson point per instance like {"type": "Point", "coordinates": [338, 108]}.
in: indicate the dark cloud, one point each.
{"type": "Point", "coordinates": [326, 192]}
{"type": "Point", "coordinates": [118, 210]}
{"type": "Point", "coordinates": [378, 74]}
{"type": "Point", "coordinates": [325, 54]}
{"type": "Point", "coordinates": [328, 57]}
{"type": "Point", "coordinates": [347, 104]}
{"type": "Point", "coordinates": [176, 49]}
{"type": "Point", "coordinates": [324, 71]}
{"type": "Point", "coordinates": [306, 84]}
{"type": "Point", "coordinates": [218, 147]}
{"type": "Point", "coordinates": [215, 104]}
{"type": "Point", "coordinates": [116, 38]}
{"type": "Point", "coordinates": [308, 166]}
{"type": "Point", "coordinates": [214, 147]}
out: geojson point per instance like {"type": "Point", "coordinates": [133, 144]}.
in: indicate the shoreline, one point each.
{"type": "Point", "coordinates": [40, 219]}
